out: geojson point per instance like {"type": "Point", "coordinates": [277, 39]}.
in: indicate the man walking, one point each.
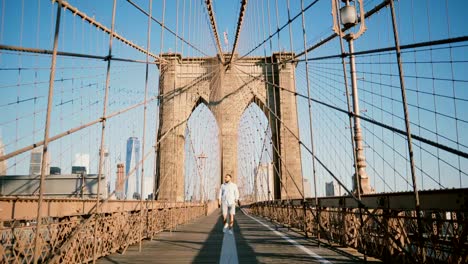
{"type": "Point", "coordinates": [228, 197]}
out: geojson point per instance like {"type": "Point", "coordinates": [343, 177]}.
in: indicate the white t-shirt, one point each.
{"type": "Point", "coordinates": [229, 193]}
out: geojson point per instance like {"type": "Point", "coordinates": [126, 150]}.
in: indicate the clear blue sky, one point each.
{"type": "Point", "coordinates": [80, 83]}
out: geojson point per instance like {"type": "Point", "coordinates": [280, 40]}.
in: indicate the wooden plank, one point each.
{"type": "Point", "coordinates": [201, 242]}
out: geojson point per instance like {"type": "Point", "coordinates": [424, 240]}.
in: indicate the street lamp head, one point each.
{"type": "Point", "coordinates": [348, 15]}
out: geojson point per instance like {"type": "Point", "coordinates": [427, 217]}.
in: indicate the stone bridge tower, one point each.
{"type": "Point", "coordinates": [227, 91]}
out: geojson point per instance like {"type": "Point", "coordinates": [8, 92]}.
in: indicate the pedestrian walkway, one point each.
{"type": "Point", "coordinates": [254, 241]}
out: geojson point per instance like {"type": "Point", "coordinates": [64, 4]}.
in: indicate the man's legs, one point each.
{"type": "Point", "coordinates": [224, 209]}
{"type": "Point", "coordinates": [232, 212]}
{"type": "Point", "coordinates": [231, 221]}
{"type": "Point", "coordinates": [225, 220]}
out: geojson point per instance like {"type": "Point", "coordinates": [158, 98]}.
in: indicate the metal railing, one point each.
{"type": "Point", "coordinates": [68, 234]}
{"type": "Point", "coordinates": [389, 230]}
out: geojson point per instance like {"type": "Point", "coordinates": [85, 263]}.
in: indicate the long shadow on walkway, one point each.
{"type": "Point", "coordinates": [245, 252]}
{"type": "Point", "coordinates": [211, 249]}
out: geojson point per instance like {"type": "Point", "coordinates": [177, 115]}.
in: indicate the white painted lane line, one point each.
{"type": "Point", "coordinates": [228, 250]}
{"type": "Point", "coordinates": [295, 243]}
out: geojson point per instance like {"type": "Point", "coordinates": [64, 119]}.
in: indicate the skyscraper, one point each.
{"type": "Point", "coordinates": [329, 189]}
{"type": "Point", "coordinates": [332, 189]}
{"type": "Point", "coordinates": [132, 184]}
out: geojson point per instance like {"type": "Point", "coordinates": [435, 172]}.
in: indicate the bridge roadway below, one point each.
{"type": "Point", "coordinates": [254, 240]}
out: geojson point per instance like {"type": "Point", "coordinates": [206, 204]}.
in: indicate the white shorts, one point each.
{"type": "Point", "coordinates": [231, 209]}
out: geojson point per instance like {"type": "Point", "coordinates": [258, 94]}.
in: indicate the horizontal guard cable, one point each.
{"type": "Point", "coordinates": [69, 54]}
{"type": "Point", "coordinates": [402, 47]}
{"type": "Point", "coordinates": [375, 122]}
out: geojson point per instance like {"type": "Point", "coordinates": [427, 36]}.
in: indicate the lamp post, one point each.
{"type": "Point", "coordinates": [201, 159]}
{"type": "Point", "coordinates": [347, 15]}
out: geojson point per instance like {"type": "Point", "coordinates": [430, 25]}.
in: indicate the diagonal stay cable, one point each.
{"type": "Point", "coordinates": [279, 29]}
{"type": "Point", "coordinates": [73, 130]}
{"type": "Point", "coordinates": [277, 150]}
{"type": "Point", "coordinates": [314, 214]}
{"type": "Point", "coordinates": [368, 14]}
{"type": "Point", "coordinates": [370, 120]}
{"type": "Point", "coordinates": [359, 202]}
{"type": "Point", "coordinates": [92, 21]}
{"type": "Point", "coordinates": [69, 240]}
{"type": "Point", "coordinates": [277, 170]}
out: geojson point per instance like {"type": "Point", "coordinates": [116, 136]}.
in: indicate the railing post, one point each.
{"type": "Point", "coordinates": [103, 129]}
{"type": "Point", "coordinates": [37, 242]}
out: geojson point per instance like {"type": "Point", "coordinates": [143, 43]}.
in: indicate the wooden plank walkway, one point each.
{"type": "Point", "coordinates": [252, 242]}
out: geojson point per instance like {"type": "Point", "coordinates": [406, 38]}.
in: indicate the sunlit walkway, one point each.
{"type": "Point", "coordinates": [253, 242]}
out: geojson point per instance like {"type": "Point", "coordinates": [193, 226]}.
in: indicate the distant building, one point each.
{"type": "Point", "coordinates": [55, 185]}
{"type": "Point", "coordinates": [36, 162]}
{"type": "Point", "coordinates": [332, 189]}
{"type": "Point", "coordinates": [132, 184]}
{"type": "Point", "coordinates": [329, 189]}
{"type": "Point", "coordinates": [55, 171]}
{"type": "Point", "coordinates": [264, 183]}
{"type": "Point", "coordinates": [307, 188]}
{"type": "Point", "coordinates": [78, 170]}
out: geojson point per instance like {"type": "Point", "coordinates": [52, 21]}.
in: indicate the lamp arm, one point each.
{"type": "Point", "coordinates": [336, 22]}
{"type": "Point", "coordinates": [362, 26]}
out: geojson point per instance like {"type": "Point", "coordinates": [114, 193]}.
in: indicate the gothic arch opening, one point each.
{"type": "Point", "coordinates": [226, 103]}
{"type": "Point", "coordinates": [202, 154]}
{"type": "Point", "coordinates": [256, 176]}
